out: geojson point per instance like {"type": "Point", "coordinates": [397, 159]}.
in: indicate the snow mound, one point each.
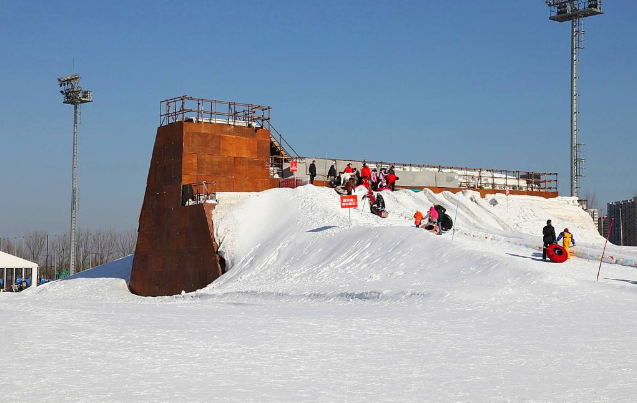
{"type": "Point", "coordinates": [293, 243]}
{"type": "Point", "coordinates": [299, 243]}
{"type": "Point", "coordinates": [105, 282]}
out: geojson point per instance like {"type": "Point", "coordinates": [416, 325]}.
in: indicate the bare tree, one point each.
{"type": "Point", "coordinates": [591, 197]}
{"type": "Point", "coordinates": [126, 242]}
{"type": "Point", "coordinates": [103, 243]}
{"type": "Point", "coordinates": [35, 243]}
{"type": "Point", "coordinates": [6, 245]}
{"type": "Point", "coordinates": [82, 249]}
{"type": "Point", "coordinates": [60, 252]}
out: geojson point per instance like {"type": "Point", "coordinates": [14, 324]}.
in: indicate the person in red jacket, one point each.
{"type": "Point", "coordinates": [348, 168]}
{"type": "Point", "coordinates": [366, 173]}
{"type": "Point", "coordinates": [391, 181]}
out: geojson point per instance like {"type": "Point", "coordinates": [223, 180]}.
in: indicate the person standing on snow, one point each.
{"type": "Point", "coordinates": [418, 218]}
{"type": "Point", "coordinates": [357, 176]}
{"type": "Point", "coordinates": [374, 179]}
{"type": "Point", "coordinates": [568, 241]}
{"type": "Point", "coordinates": [549, 237]}
{"type": "Point", "coordinates": [391, 180]}
{"type": "Point", "coordinates": [366, 173]}
{"type": "Point", "coordinates": [348, 168]}
{"type": "Point", "coordinates": [332, 172]}
{"type": "Point", "coordinates": [382, 179]}
{"type": "Point", "coordinates": [433, 215]}
{"type": "Point", "coordinates": [312, 171]}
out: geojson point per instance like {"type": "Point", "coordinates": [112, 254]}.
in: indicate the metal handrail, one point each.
{"type": "Point", "coordinates": [283, 140]}
{"type": "Point", "coordinates": [212, 110]}
{"type": "Point", "coordinates": [198, 193]}
{"type": "Point", "coordinates": [486, 177]}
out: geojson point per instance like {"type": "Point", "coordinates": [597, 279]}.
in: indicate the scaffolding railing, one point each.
{"type": "Point", "coordinates": [198, 193]}
{"type": "Point", "coordinates": [191, 109]}
{"type": "Point", "coordinates": [473, 178]}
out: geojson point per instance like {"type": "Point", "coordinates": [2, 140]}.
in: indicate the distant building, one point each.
{"type": "Point", "coordinates": [624, 231]}
{"type": "Point", "coordinates": [594, 213]}
{"type": "Point", "coordinates": [602, 225]}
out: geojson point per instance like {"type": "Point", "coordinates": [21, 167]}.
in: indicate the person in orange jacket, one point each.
{"type": "Point", "coordinates": [418, 217]}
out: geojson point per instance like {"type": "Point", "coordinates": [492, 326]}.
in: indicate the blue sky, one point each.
{"type": "Point", "coordinates": [465, 83]}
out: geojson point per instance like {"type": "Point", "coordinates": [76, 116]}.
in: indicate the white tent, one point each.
{"type": "Point", "coordinates": [13, 267]}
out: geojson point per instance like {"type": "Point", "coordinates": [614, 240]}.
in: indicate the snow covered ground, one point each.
{"type": "Point", "coordinates": [318, 307]}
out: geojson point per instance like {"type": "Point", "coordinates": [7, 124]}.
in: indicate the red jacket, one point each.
{"type": "Point", "coordinates": [348, 169]}
{"type": "Point", "coordinates": [366, 172]}
{"type": "Point", "coordinates": [391, 178]}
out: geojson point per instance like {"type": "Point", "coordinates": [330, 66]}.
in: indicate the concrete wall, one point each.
{"type": "Point", "coordinates": [416, 179]}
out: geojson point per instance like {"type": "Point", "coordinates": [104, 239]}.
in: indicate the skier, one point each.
{"type": "Point", "coordinates": [548, 233]}
{"type": "Point", "coordinates": [568, 241]}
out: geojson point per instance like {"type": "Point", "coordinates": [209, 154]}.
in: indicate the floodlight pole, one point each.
{"type": "Point", "coordinates": [574, 11]}
{"type": "Point", "coordinates": [74, 95]}
{"type": "Point", "coordinates": [74, 203]}
{"type": "Point", "coordinates": [575, 174]}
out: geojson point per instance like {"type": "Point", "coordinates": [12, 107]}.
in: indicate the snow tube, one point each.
{"type": "Point", "coordinates": [447, 222]}
{"type": "Point", "coordinates": [556, 253]}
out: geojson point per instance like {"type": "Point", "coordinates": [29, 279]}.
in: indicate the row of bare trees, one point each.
{"type": "Point", "coordinates": [52, 253]}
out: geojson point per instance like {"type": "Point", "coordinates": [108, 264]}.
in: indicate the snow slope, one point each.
{"type": "Point", "coordinates": [318, 307]}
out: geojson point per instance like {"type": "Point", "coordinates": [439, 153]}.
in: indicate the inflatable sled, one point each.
{"type": "Point", "coordinates": [447, 222]}
{"type": "Point", "coordinates": [556, 253]}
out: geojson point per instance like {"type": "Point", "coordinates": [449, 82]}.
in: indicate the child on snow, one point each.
{"type": "Point", "coordinates": [568, 241]}
{"type": "Point", "coordinates": [418, 218]}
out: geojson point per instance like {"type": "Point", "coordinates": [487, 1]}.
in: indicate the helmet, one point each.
{"type": "Point", "coordinates": [548, 221]}
{"type": "Point", "coordinates": [566, 230]}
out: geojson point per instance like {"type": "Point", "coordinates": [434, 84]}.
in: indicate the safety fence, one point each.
{"type": "Point", "coordinates": [292, 183]}
{"type": "Point", "coordinates": [578, 252]}
{"type": "Point", "coordinates": [191, 109]}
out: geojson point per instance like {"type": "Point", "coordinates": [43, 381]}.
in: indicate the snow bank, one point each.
{"type": "Point", "coordinates": [105, 282]}
{"type": "Point", "coordinates": [300, 243]}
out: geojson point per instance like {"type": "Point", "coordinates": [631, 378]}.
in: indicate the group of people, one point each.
{"type": "Point", "coordinates": [435, 219]}
{"type": "Point", "coordinates": [385, 179]}
{"type": "Point", "coordinates": [549, 238]}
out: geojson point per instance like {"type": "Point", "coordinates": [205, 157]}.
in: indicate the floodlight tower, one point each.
{"type": "Point", "coordinates": [74, 95]}
{"type": "Point", "coordinates": [574, 11]}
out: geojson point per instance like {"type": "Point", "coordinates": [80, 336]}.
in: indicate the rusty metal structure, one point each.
{"type": "Point", "coordinates": [202, 147]}
{"type": "Point", "coordinates": [206, 146]}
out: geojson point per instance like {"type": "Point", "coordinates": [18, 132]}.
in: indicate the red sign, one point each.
{"type": "Point", "coordinates": [293, 166]}
{"type": "Point", "coordinates": [349, 201]}
{"type": "Point", "coordinates": [506, 189]}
